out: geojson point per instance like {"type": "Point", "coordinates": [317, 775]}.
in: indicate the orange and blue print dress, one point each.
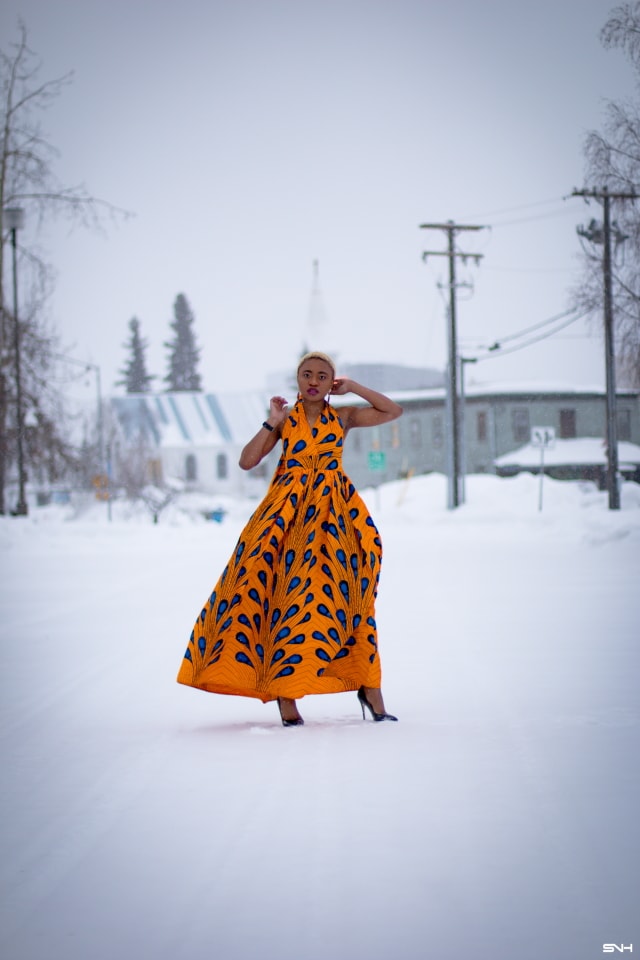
{"type": "Point", "coordinates": [294, 610]}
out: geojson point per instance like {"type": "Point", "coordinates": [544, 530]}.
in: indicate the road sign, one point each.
{"type": "Point", "coordinates": [377, 460]}
{"type": "Point", "coordinates": [543, 436]}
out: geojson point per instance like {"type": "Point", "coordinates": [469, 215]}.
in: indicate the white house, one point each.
{"type": "Point", "coordinates": [195, 438]}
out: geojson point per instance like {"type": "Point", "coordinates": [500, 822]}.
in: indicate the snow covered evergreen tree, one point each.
{"type": "Point", "coordinates": [184, 355]}
{"type": "Point", "coordinates": [135, 376]}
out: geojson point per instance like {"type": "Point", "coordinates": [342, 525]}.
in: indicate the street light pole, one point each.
{"type": "Point", "coordinates": [103, 450]}
{"type": "Point", "coordinates": [452, 369]}
{"type": "Point", "coordinates": [14, 217]}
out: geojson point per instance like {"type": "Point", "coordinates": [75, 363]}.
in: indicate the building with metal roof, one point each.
{"type": "Point", "coordinates": [191, 438]}
{"type": "Point", "coordinates": [196, 438]}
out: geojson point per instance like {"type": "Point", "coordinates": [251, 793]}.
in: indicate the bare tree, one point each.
{"type": "Point", "coordinates": [613, 161]}
{"type": "Point", "coordinates": [28, 181]}
{"type": "Point", "coordinates": [47, 451]}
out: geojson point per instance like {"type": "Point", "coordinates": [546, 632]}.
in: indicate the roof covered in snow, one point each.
{"type": "Point", "coordinates": [523, 390]}
{"type": "Point", "coordinates": [191, 419]}
{"type": "Point", "coordinates": [583, 450]}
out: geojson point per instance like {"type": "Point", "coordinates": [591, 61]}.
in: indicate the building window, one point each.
{"type": "Point", "coordinates": [624, 424]}
{"type": "Point", "coordinates": [191, 467]}
{"type": "Point", "coordinates": [567, 424]}
{"type": "Point", "coordinates": [481, 426]}
{"type": "Point", "coordinates": [415, 432]}
{"type": "Point", "coordinates": [222, 468]}
{"type": "Point", "coordinates": [437, 433]}
{"type": "Point", "coordinates": [520, 424]}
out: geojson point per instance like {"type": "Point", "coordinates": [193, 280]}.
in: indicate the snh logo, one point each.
{"type": "Point", "coordinates": [617, 948]}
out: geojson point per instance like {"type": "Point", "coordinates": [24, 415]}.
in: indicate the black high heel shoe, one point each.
{"type": "Point", "coordinates": [362, 697]}
{"type": "Point", "coordinates": [290, 721]}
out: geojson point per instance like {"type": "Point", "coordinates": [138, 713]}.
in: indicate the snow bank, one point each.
{"type": "Point", "coordinates": [497, 819]}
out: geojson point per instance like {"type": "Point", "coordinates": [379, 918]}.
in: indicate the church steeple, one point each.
{"type": "Point", "coordinates": [317, 326]}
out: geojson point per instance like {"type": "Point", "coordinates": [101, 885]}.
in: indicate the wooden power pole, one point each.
{"type": "Point", "coordinates": [455, 457]}
{"type": "Point", "coordinates": [609, 336]}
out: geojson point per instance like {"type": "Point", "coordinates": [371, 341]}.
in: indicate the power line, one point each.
{"type": "Point", "coordinates": [536, 326]}
{"type": "Point", "coordinates": [497, 351]}
{"type": "Point", "coordinates": [522, 206]}
{"type": "Point", "coordinates": [542, 216]}
{"type": "Point", "coordinates": [498, 269]}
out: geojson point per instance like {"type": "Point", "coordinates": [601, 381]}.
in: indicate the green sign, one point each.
{"type": "Point", "coordinates": [377, 460]}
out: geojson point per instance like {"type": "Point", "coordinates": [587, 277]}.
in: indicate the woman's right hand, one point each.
{"type": "Point", "coordinates": [278, 409]}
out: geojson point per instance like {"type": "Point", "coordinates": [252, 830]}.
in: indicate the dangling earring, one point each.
{"type": "Point", "coordinates": [299, 395]}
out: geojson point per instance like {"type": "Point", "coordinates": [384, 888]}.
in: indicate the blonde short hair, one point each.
{"type": "Point", "coordinates": [317, 355]}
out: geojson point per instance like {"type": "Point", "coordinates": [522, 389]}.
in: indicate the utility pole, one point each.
{"type": "Point", "coordinates": [14, 217]}
{"type": "Point", "coordinates": [463, 427]}
{"type": "Point", "coordinates": [451, 229]}
{"type": "Point", "coordinates": [595, 236]}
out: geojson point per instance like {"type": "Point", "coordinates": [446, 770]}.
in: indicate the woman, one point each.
{"type": "Point", "coordinates": [293, 612]}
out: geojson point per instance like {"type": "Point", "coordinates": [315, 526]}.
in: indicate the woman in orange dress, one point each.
{"type": "Point", "coordinates": [293, 612]}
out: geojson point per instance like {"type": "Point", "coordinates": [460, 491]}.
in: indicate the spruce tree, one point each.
{"type": "Point", "coordinates": [135, 376]}
{"type": "Point", "coordinates": [184, 355]}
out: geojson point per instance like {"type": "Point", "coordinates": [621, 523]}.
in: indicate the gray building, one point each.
{"type": "Point", "coordinates": [495, 421]}
{"type": "Point", "coordinates": [197, 438]}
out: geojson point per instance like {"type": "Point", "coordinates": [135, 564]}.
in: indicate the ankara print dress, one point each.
{"type": "Point", "coordinates": [293, 612]}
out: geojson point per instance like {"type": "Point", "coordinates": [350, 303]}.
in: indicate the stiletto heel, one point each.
{"type": "Point", "coordinates": [290, 721]}
{"type": "Point", "coordinates": [362, 697]}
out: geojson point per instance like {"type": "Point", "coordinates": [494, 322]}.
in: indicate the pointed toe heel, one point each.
{"type": "Point", "coordinates": [362, 697]}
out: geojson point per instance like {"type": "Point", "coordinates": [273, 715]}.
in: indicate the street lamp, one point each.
{"type": "Point", "coordinates": [14, 218]}
{"type": "Point", "coordinates": [103, 464]}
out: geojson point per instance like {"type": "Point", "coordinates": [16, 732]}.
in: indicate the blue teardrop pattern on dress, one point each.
{"type": "Point", "coordinates": [300, 574]}
{"type": "Point", "coordinates": [216, 652]}
{"type": "Point", "coordinates": [241, 657]}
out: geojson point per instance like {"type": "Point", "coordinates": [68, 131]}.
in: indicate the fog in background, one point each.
{"type": "Point", "coordinates": [252, 138]}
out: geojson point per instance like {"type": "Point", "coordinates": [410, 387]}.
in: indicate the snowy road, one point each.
{"type": "Point", "coordinates": [498, 819]}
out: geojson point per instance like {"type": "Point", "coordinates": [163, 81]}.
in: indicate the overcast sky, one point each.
{"type": "Point", "coordinates": [252, 137]}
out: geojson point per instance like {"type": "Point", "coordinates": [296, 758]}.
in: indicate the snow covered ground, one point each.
{"type": "Point", "coordinates": [498, 819]}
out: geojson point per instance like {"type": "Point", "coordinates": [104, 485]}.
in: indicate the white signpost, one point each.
{"type": "Point", "coordinates": [542, 437]}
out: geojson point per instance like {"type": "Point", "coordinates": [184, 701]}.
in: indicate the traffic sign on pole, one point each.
{"type": "Point", "coordinates": [377, 460]}
{"type": "Point", "coordinates": [542, 437]}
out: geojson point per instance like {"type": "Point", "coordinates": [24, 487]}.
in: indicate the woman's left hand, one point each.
{"type": "Point", "coordinates": [341, 385]}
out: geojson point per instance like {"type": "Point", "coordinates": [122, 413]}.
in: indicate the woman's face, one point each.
{"type": "Point", "coordinates": [315, 379]}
